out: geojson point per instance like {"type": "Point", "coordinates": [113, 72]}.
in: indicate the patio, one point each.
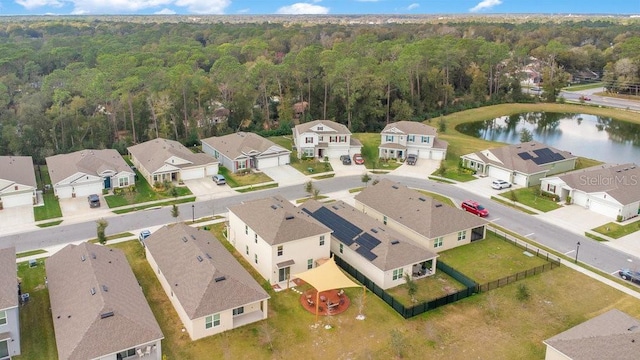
{"type": "Point", "coordinates": [331, 302]}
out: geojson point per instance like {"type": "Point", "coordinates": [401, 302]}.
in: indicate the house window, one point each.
{"type": "Point", "coordinates": [551, 188]}
{"type": "Point", "coordinates": [389, 138]}
{"type": "Point", "coordinates": [462, 235]}
{"type": "Point", "coordinates": [320, 138]}
{"type": "Point", "coordinates": [124, 354]}
{"type": "Point", "coordinates": [3, 317]}
{"type": "Point", "coordinates": [255, 258]}
{"type": "Point", "coordinates": [280, 250]}
{"type": "Point", "coordinates": [216, 154]}
{"type": "Point", "coordinates": [425, 139]}
{"type": "Point", "coordinates": [246, 229]}
{"type": "Point", "coordinates": [321, 240]}
{"type": "Point", "coordinates": [308, 140]}
{"type": "Point", "coordinates": [341, 248]}
{"type": "Point", "coordinates": [333, 139]}
{"type": "Point", "coordinates": [240, 165]}
{"type": "Point", "coordinates": [238, 311]}
{"type": "Point", "coordinates": [247, 249]}
{"type": "Point", "coordinates": [155, 178]}
{"type": "Point", "coordinates": [437, 242]}
{"type": "Point", "coordinates": [309, 264]}
{"type": "Point", "coordinates": [255, 237]}
{"type": "Point", "coordinates": [397, 274]}
{"type": "Point", "coordinates": [320, 128]}
{"type": "Point", "coordinates": [123, 181]}
{"type": "Point", "coordinates": [212, 321]}
{"type": "Point", "coordinates": [343, 139]}
{"type": "Point", "coordinates": [411, 138]}
{"type": "Point", "coordinates": [384, 219]}
{"type": "Point", "coordinates": [308, 152]}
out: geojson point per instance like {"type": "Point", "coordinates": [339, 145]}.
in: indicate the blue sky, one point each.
{"type": "Point", "coordinates": [234, 7]}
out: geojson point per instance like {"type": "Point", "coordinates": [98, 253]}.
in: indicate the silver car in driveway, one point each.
{"type": "Point", "coordinates": [500, 184]}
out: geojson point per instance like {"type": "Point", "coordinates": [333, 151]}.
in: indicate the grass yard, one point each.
{"type": "Point", "coordinates": [154, 205]}
{"type": "Point", "coordinates": [50, 210]}
{"type": "Point", "coordinates": [143, 193]}
{"type": "Point", "coordinates": [583, 163]}
{"type": "Point", "coordinates": [237, 179]}
{"type": "Point", "coordinates": [616, 230]}
{"type": "Point", "coordinates": [30, 253]}
{"type": "Point", "coordinates": [529, 197]}
{"type": "Point", "coordinates": [489, 259]}
{"type": "Point", "coordinates": [312, 166]}
{"type": "Point", "coordinates": [513, 205]}
{"type": "Point", "coordinates": [285, 142]}
{"type": "Point", "coordinates": [428, 288]}
{"type": "Point", "coordinates": [370, 143]}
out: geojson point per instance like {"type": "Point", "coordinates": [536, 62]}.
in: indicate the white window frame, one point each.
{"type": "Point", "coordinates": [411, 138]}
{"type": "Point", "coordinates": [123, 181]}
{"type": "Point", "coordinates": [309, 264]}
{"type": "Point", "coordinates": [280, 250]}
{"type": "Point", "coordinates": [388, 138]}
{"type": "Point", "coordinates": [341, 248]}
{"type": "Point", "coordinates": [212, 321]}
{"type": "Point", "coordinates": [425, 140]}
{"type": "Point", "coordinates": [321, 240]}
{"type": "Point", "coordinates": [397, 274]}
{"type": "Point", "coordinates": [462, 235]}
{"type": "Point", "coordinates": [3, 317]}
{"type": "Point", "coordinates": [437, 242]}
{"type": "Point", "coordinates": [308, 140]}
{"type": "Point", "coordinates": [238, 311]}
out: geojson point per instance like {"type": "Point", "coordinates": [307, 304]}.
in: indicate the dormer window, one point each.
{"type": "Point", "coordinates": [320, 128]}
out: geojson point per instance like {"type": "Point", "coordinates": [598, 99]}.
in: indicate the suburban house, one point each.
{"type": "Point", "coordinates": [612, 335]}
{"type": "Point", "coordinates": [161, 160]}
{"type": "Point", "coordinates": [320, 138]}
{"type": "Point", "coordinates": [277, 238]}
{"type": "Point", "coordinates": [98, 308]}
{"type": "Point", "coordinates": [419, 217]}
{"type": "Point", "coordinates": [611, 190]}
{"type": "Point", "coordinates": [402, 138]}
{"type": "Point", "coordinates": [87, 172]}
{"type": "Point", "coordinates": [382, 254]}
{"type": "Point", "coordinates": [244, 150]}
{"type": "Point", "coordinates": [520, 164]}
{"type": "Point", "coordinates": [207, 286]}
{"type": "Point", "coordinates": [17, 181]}
{"type": "Point", "coordinates": [9, 309]}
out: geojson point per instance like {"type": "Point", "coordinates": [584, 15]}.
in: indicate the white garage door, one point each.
{"type": "Point", "coordinates": [63, 192]}
{"type": "Point", "coordinates": [88, 189]}
{"type": "Point", "coordinates": [603, 208]}
{"type": "Point", "coordinates": [17, 200]}
{"type": "Point", "coordinates": [284, 159]}
{"type": "Point", "coordinates": [500, 174]}
{"type": "Point", "coordinates": [190, 174]}
{"type": "Point", "coordinates": [212, 170]}
{"type": "Point", "coordinates": [520, 179]}
{"type": "Point", "coordinates": [580, 198]}
{"type": "Point", "coordinates": [265, 163]}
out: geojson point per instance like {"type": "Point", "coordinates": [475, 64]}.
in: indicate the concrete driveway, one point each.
{"type": "Point", "coordinates": [575, 218]}
{"type": "Point", "coordinates": [346, 170]}
{"type": "Point", "coordinates": [285, 175]}
{"type": "Point", "coordinates": [422, 169]}
{"type": "Point", "coordinates": [206, 189]}
{"type": "Point", "coordinates": [482, 187]}
{"type": "Point", "coordinates": [17, 216]}
{"type": "Point", "coordinates": [79, 208]}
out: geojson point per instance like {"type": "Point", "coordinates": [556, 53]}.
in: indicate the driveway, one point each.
{"type": "Point", "coordinates": [575, 218]}
{"type": "Point", "coordinates": [346, 170]}
{"type": "Point", "coordinates": [206, 189]}
{"type": "Point", "coordinates": [422, 169]}
{"type": "Point", "coordinates": [78, 208]}
{"type": "Point", "coordinates": [285, 175]}
{"type": "Point", "coordinates": [17, 216]}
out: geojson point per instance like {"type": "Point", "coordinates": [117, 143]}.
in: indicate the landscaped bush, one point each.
{"type": "Point", "coordinates": [549, 195]}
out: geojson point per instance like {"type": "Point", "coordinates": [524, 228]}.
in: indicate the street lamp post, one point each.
{"type": "Point", "coordinates": [577, 249]}
{"type": "Point", "coordinates": [193, 213]}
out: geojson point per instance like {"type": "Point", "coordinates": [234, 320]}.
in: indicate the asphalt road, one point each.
{"type": "Point", "coordinates": [561, 240]}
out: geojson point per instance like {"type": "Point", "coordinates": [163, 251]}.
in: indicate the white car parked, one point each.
{"type": "Point", "coordinates": [500, 184]}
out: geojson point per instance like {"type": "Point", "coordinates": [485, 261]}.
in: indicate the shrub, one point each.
{"type": "Point", "coordinates": [567, 200]}
{"type": "Point", "coordinates": [523, 293]}
{"type": "Point", "coordinates": [619, 218]}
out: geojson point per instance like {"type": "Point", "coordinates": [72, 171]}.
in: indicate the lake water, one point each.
{"type": "Point", "coordinates": [589, 136]}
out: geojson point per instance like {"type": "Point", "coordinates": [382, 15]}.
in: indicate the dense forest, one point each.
{"type": "Point", "coordinates": [69, 84]}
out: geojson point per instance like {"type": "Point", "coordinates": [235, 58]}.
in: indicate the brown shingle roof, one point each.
{"type": "Point", "coordinates": [242, 144]}
{"type": "Point", "coordinates": [619, 181]}
{"type": "Point", "coordinates": [85, 292]}
{"type": "Point", "coordinates": [612, 335]}
{"type": "Point", "coordinates": [8, 279]}
{"type": "Point", "coordinates": [409, 127]}
{"type": "Point", "coordinates": [277, 221]}
{"type": "Point", "coordinates": [17, 169]}
{"type": "Point", "coordinates": [507, 156]}
{"type": "Point", "coordinates": [191, 267]}
{"type": "Point", "coordinates": [416, 211]}
{"type": "Point", "coordinates": [330, 127]}
{"type": "Point", "coordinates": [91, 162]}
{"type": "Point", "coordinates": [153, 154]}
{"type": "Point", "coordinates": [395, 250]}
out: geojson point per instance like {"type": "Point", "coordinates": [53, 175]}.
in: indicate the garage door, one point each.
{"type": "Point", "coordinates": [17, 200]}
{"type": "Point", "coordinates": [580, 198]}
{"type": "Point", "coordinates": [63, 192]}
{"type": "Point", "coordinates": [500, 174]}
{"type": "Point", "coordinates": [212, 170]}
{"type": "Point", "coordinates": [88, 189]}
{"type": "Point", "coordinates": [284, 159]}
{"type": "Point", "coordinates": [520, 179]}
{"type": "Point", "coordinates": [190, 174]}
{"type": "Point", "coordinates": [604, 208]}
{"type": "Point", "coordinates": [265, 163]}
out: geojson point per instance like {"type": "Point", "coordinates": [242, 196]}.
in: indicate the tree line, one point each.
{"type": "Point", "coordinates": [77, 83]}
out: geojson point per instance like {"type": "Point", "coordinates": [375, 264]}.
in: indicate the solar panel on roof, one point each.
{"type": "Point", "coordinates": [525, 156]}
{"type": "Point", "coordinates": [343, 230]}
{"type": "Point", "coordinates": [368, 241]}
{"type": "Point", "coordinates": [546, 156]}
{"type": "Point", "coordinates": [366, 253]}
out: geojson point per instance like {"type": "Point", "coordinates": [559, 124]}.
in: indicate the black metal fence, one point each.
{"type": "Point", "coordinates": [525, 245]}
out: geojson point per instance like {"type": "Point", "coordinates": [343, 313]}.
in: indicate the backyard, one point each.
{"type": "Point", "coordinates": [51, 208]}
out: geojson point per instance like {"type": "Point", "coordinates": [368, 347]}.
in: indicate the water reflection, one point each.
{"type": "Point", "coordinates": [591, 136]}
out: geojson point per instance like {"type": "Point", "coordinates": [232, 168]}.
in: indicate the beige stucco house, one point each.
{"type": "Point", "coordinates": [320, 138]}
{"type": "Point", "coordinates": [430, 223]}
{"type": "Point", "coordinates": [277, 238]}
{"type": "Point", "coordinates": [17, 181]}
{"type": "Point", "coordinates": [9, 305]}
{"type": "Point", "coordinates": [402, 138]}
{"type": "Point", "coordinates": [209, 289]}
{"type": "Point", "coordinates": [245, 150]}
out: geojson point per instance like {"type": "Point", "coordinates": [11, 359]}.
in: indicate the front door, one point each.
{"type": "Point", "coordinates": [4, 349]}
{"type": "Point", "coordinates": [283, 274]}
{"type": "Point", "coordinates": [107, 182]}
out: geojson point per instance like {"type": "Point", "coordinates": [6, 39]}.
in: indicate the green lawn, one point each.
{"type": "Point", "coordinates": [511, 204]}
{"type": "Point", "coordinates": [143, 193]}
{"type": "Point", "coordinates": [50, 210]}
{"type": "Point", "coordinates": [160, 204]}
{"type": "Point", "coordinates": [257, 187]}
{"type": "Point", "coordinates": [285, 142]}
{"type": "Point", "coordinates": [29, 253]}
{"type": "Point", "coordinates": [583, 86]}
{"type": "Point", "coordinates": [428, 288]}
{"type": "Point", "coordinates": [237, 179]}
{"type": "Point", "coordinates": [370, 143]}
{"type": "Point", "coordinates": [616, 230]}
{"type": "Point", "coordinates": [583, 163]}
{"type": "Point", "coordinates": [529, 197]}
{"type": "Point", "coordinates": [312, 166]}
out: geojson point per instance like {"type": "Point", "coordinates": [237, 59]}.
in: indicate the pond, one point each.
{"type": "Point", "coordinates": [590, 136]}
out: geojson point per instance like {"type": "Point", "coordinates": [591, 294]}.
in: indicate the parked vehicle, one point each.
{"type": "Point", "coordinates": [94, 200]}
{"type": "Point", "coordinates": [585, 98]}
{"type": "Point", "coordinates": [219, 179]}
{"type": "Point", "coordinates": [358, 159]}
{"type": "Point", "coordinates": [474, 208]}
{"type": "Point", "coordinates": [412, 159]}
{"type": "Point", "coordinates": [346, 160]}
{"type": "Point", "coordinates": [630, 275]}
{"type": "Point", "coordinates": [500, 184]}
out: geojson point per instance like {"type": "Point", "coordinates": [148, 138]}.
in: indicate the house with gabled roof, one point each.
{"type": "Point", "coordinates": [277, 238]}
{"type": "Point", "coordinates": [17, 181]}
{"type": "Point", "coordinates": [520, 164]}
{"type": "Point", "coordinates": [9, 305]}
{"type": "Point", "coordinates": [245, 150]}
{"type": "Point", "coordinates": [210, 290]}
{"type": "Point", "coordinates": [402, 138]}
{"type": "Point", "coordinates": [324, 138]}
{"type": "Point", "coordinates": [381, 253]}
{"type": "Point", "coordinates": [427, 221]}
{"type": "Point", "coordinates": [161, 160]}
{"type": "Point", "coordinates": [97, 305]}
{"type": "Point", "coordinates": [612, 335]}
{"type": "Point", "coordinates": [87, 172]}
{"type": "Point", "coordinates": [611, 190]}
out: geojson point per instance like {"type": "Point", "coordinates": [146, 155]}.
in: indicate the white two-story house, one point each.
{"type": "Point", "coordinates": [9, 309]}
{"type": "Point", "coordinates": [277, 238]}
{"type": "Point", "coordinates": [402, 138]}
{"type": "Point", "coordinates": [320, 138]}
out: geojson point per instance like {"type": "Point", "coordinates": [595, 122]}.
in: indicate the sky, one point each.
{"type": "Point", "coordinates": [330, 7]}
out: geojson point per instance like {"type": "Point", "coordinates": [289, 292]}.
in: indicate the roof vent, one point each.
{"type": "Point", "coordinates": [335, 207]}
{"type": "Point", "coordinates": [618, 170]}
{"type": "Point", "coordinates": [394, 242]}
{"type": "Point", "coordinates": [106, 315]}
{"type": "Point", "coordinates": [394, 186]}
{"type": "Point", "coordinates": [274, 207]}
{"type": "Point", "coordinates": [193, 237]}
{"type": "Point", "coordinates": [93, 291]}
{"type": "Point", "coordinates": [199, 258]}
{"type": "Point", "coordinates": [184, 239]}
{"type": "Point", "coordinates": [208, 256]}
{"type": "Point", "coordinates": [289, 217]}
{"type": "Point", "coordinates": [93, 255]}
{"type": "Point", "coordinates": [374, 231]}
{"type": "Point", "coordinates": [632, 328]}
{"type": "Point", "coordinates": [422, 199]}
{"type": "Point", "coordinates": [438, 205]}
{"type": "Point", "coordinates": [105, 288]}
{"type": "Point", "coordinates": [82, 258]}
{"type": "Point", "coordinates": [220, 278]}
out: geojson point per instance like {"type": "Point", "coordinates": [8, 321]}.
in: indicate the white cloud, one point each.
{"type": "Point", "coordinates": [303, 8]}
{"type": "Point", "coordinates": [413, 6]}
{"type": "Point", "coordinates": [115, 6]}
{"type": "Point", "coordinates": [205, 6]}
{"type": "Point", "coordinates": [131, 6]}
{"type": "Point", "coordinates": [485, 5]}
{"type": "Point", "coordinates": [32, 4]}
{"type": "Point", "coordinates": [165, 11]}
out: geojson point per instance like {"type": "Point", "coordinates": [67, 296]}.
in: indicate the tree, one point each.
{"type": "Point", "coordinates": [442, 125]}
{"type": "Point", "coordinates": [412, 287]}
{"type": "Point", "coordinates": [525, 136]}
{"type": "Point", "coordinates": [175, 212]}
{"type": "Point", "coordinates": [365, 178]}
{"type": "Point", "coordinates": [308, 187]}
{"type": "Point", "coordinates": [101, 228]}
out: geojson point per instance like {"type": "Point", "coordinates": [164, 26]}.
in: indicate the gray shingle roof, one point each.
{"type": "Point", "coordinates": [154, 153]}
{"type": "Point", "coordinates": [416, 211]}
{"type": "Point", "coordinates": [278, 221]}
{"type": "Point", "coordinates": [507, 156]}
{"type": "Point", "coordinates": [91, 162]}
{"type": "Point", "coordinates": [8, 279]}
{"type": "Point", "coordinates": [335, 128]}
{"type": "Point", "coordinates": [192, 280]}
{"type": "Point", "coordinates": [17, 169]}
{"type": "Point", "coordinates": [243, 144]}
{"type": "Point", "coordinates": [409, 127]}
{"type": "Point", "coordinates": [612, 335]}
{"type": "Point", "coordinates": [83, 329]}
{"type": "Point", "coordinates": [619, 181]}
{"type": "Point", "coordinates": [403, 251]}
